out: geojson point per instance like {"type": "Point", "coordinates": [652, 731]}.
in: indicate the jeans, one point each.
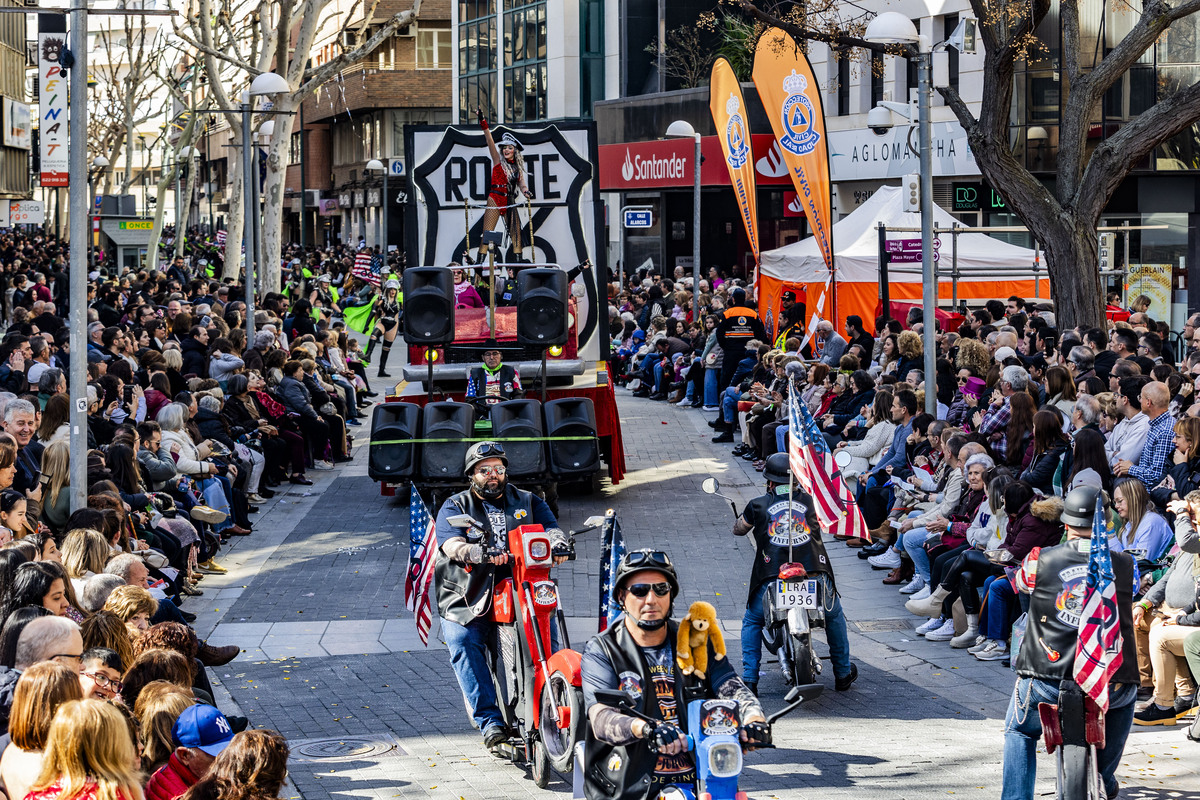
{"type": "Point", "coordinates": [781, 434]}
{"type": "Point", "coordinates": [835, 631]}
{"type": "Point", "coordinates": [1023, 727]}
{"type": "Point", "coordinates": [995, 623]}
{"type": "Point", "coordinates": [729, 401]}
{"type": "Point", "coordinates": [913, 543]}
{"type": "Point", "coordinates": [469, 657]}
{"type": "Point", "coordinates": [712, 379]}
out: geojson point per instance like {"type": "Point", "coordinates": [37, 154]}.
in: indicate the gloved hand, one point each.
{"type": "Point", "coordinates": [480, 118]}
{"type": "Point", "coordinates": [668, 738]}
{"type": "Point", "coordinates": [757, 734]}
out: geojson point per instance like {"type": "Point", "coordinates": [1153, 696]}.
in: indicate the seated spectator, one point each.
{"type": "Point", "coordinates": [84, 554]}
{"type": "Point", "coordinates": [134, 606]}
{"type": "Point", "coordinates": [1183, 474]}
{"type": "Point", "coordinates": [158, 708]}
{"type": "Point", "coordinates": [200, 734]}
{"type": "Point", "coordinates": [40, 691]}
{"type": "Point", "coordinates": [44, 639]}
{"type": "Point", "coordinates": [37, 583]}
{"type": "Point", "coordinates": [89, 748]}
{"type": "Point", "coordinates": [866, 451]}
{"type": "Point", "coordinates": [1145, 534]}
{"type": "Point", "coordinates": [100, 672]}
{"type": "Point", "coordinates": [254, 765]}
{"type": "Point", "coordinates": [104, 630]}
{"type": "Point", "coordinates": [1152, 464]}
{"type": "Point", "coordinates": [155, 665]}
{"type": "Point", "coordinates": [1049, 454]}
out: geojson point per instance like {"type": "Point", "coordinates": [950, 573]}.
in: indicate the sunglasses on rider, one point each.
{"type": "Point", "coordinates": [640, 590]}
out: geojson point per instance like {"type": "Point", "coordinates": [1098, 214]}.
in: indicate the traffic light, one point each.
{"type": "Point", "coordinates": [911, 186]}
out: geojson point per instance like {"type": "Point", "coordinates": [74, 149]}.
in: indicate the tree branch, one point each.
{"type": "Point", "coordinates": [836, 38]}
{"type": "Point", "coordinates": [323, 73]}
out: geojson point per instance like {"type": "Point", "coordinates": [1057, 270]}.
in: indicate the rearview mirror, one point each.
{"type": "Point", "coordinates": [711, 486]}
{"type": "Point", "coordinates": [461, 521]}
{"type": "Point", "coordinates": [614, 697]}
{"type": "Point", "coordinates": [593, 521]}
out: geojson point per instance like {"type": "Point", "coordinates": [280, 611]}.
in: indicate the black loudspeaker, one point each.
{"type": "Point", "coordinates": [428, 305]}
{"type": "Point", "coordinates": [542, 306]}
{"type": "Point", "coordinates": [391, 425]}
{"type": "Point", "coordinates": [572, 416]}
{"type": "Point", "coordinates": [520, 419]}
{"type": "Point", "coordinates": [446, 421]}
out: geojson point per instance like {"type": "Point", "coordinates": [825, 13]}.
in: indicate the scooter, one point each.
{"type": "Point", "coordinates": [714, 738]}
{"type": "Point", "coordinates": [1073, 730]}
{"type": "Point", "coordinates": [791, 611]}
{"type": "Point", "coordinates": [539, 692]}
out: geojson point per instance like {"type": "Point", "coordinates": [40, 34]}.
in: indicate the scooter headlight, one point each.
{"type": "Point", "coordinates": [724, 760]}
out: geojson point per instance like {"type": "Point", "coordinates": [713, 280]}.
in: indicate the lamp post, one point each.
{"type": "Point", "coordinates": [77, 228]}
{"type": "Point", "coordinates": [141, 137]}
{"type": "Point", "coordinates": [377, 166]}
{"type": "Point", "coordinates": [99, 164]}
{"type": "Point", "coordinates": [682, 129]}
{"type": "Point", "coordinates": [891, 27]}
{"type": "Point", "coordinates": [268, 83]}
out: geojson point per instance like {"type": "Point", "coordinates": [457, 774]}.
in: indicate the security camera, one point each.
{"type": "Point", "coordinates": [879, 120]}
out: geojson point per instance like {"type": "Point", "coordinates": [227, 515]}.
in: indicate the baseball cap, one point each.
{"type": "Point", "coordinates": [1003, 353]}
{"type": "Point", "coordinates": [789, 295]}
{"type": "Point", "coordinates": [204, 728]}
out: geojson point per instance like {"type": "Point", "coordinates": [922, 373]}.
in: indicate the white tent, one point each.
{"type": "Point", "coordinates": [856, 247]}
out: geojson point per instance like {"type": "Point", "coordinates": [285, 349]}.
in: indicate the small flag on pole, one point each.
{"type": "Point", "coordinates": [818, 474]}
{"type": "Point", "coordinates": [612, 550]}
{"type": "Point", "coordinates": [1098, 652]}
{"type": "Point", "coordinates": [422, 544]}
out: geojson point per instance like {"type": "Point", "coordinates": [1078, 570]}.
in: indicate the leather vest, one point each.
{"type": "Point", "coordinates": [624, 772]}
{"type": "Point", "coordinates": [507, 380]}
{"type": "Point", "coordinates": [461, 595]}
{"type": "Point", "coordinates": [769, 512]}
{"type": "Point", "coordinates": [1052, 630]}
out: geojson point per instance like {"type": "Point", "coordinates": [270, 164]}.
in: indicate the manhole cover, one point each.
{"type": "Point", "coordinates": [881, 625]}
{"type": "Point", "coordinates": [344, 749]}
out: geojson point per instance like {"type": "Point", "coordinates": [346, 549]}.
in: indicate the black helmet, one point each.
{"type": "Point", "coordinates": [777, 469]}
{"type": "Point", "coordinates": [1079, 506]}
{"type": "Point", "coordinates": [636, 561]}
{"type": "Point", "coordinates": [481, 451]}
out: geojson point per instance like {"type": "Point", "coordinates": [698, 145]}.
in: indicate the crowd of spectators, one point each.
{"type": "Point", "coordinates": [957, 499]}
{"type": "Point", "coordinates": [104, 690]}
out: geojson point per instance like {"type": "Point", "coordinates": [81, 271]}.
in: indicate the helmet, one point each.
{"type": "Point", "coordinates": [777, 468]}
{"type": "Point", "coordinates": [1079, 506]}
{"type": "Point", "coordinates": [481, 451]}
{"type": "Point", "coordinates": [391, 284]}
{"type": "Point", "coordinates": [636, 561]}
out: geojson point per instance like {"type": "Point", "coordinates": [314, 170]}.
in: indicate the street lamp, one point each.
{"type": "Point", "coordinates": [682, 129]}
{"type": "Point", "coordinates": [377, 166]}
{"type": "Point", "coordinates": [99, 164]}
{"type": "Point", "coordinates": [891, 27]}
{"type": "Point", "coordinates": [268, 83]}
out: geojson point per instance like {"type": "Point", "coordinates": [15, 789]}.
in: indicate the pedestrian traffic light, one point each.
{"type": "Point", "coordinates": [912, 193]}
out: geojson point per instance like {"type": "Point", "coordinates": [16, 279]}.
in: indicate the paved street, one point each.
{"type": "Point", "coordinates": [331, 657]}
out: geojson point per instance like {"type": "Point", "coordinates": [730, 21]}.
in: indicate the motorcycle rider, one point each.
{"type": "Point", "coordinates": [636, 654]}
{"type": "Point", "coordinates": [464, 575]}
{"type": "Point", "coordinates": [766, 517]}
{"type": "Point", "coordinates": [1054, 578]}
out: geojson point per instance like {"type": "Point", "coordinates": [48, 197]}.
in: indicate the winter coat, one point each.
{"type": "Point", "coordinates": [296, 398]}
{"type": "Point", "coordinates": [846, 407]}
{"type": "Point", "coordinates": [222, 365]}
{"type": "Point", "coordinates": [155, 401]}
{"type": "Point", "coordinates": [195, 357]}
{"type": "Point", "coordinates": [1043, 466]}
{"type": "Point", "coordinates": [188, 461]}
{"type": "Point", "coordinates": [8, 686]}
{"type": "Point", "coordinates": [171, 781]}
{"type": "Point", "coordinates": [988, 529]}
{"type": "Point", "coordinates": [866, 451]}
{"type": "Point", "coordinates": [157, 468]}
{"type": "Point", "coordinates": [213, 427]}
{"type": "Point", "coordinates": [962, 515]}
{"type": "Point", "coordinates": [1036, 524]}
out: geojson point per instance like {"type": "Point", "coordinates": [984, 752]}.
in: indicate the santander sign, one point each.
{"type": "Point", "coordinates": [652, 168]}
{"type": "Point", "coordinates": [667, 164]}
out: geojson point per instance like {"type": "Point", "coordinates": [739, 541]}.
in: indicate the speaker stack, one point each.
{"type": "Point", "coordinates": [541, 307]}
{"type": "Point", "coordinates": [393, 424]}
{"type": "Point", "coordinates": [572, 416]}
{"type": "Point", "coordinates": [428, 305]}
{"type": "Point", "coordinates": [446, 420]}
{"type": "Point", "coordinates": [520, 419]}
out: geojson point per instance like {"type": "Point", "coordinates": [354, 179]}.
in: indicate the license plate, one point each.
{"type": "Point", "coordinates": [796, 594]}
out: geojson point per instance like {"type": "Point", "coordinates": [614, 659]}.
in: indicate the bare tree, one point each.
{"type": "Point", "coordinates": [1062, 217]}
{"type": "Point", "coordinates": [685, 56]}
{"type": "Point", "coordinates": [278, 36]}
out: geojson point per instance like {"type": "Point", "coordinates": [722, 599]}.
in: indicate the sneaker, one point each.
{"type": "Point", "coordinates": [208, 514]}
{"type": "Point", "coordinates": [889, 559]}
{"type": "Point", "coordinates": [1154, 714]}
{"type": "Point", "coordinates": [942, 634]}
{"type": "Point", "coordinates": [995, 651]}
{"type": "Point", "coordinates": [913, 587]}
{"type": "Point", "coordinates": [213, 567]}
{"type": "Point", "coordinates": [322, 465]}
{"type": "Point", "coordinates": [354, 423]}
{"type": "Point", "coordinates": [711, 408]}
{"type": "Point", "coordinates": [965, 639]}
{"type": "Point", "coordinates": [923, 594]}
{"type": "Point", "coordinates": [684, 402]}
{"type": "Point", "coordinates": [931, 625]}
{"type": "Point", "coordinates": [981, 643]}
{"type": "Point", "coordinates": [255, 499]}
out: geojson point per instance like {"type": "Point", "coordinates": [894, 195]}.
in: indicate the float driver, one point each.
{"type": "Point", "coordinates": [637, 655]}
{"type": "Point", "coordinates": [464, 574]}
{"type": "Point", "coordinates": [492, 382]}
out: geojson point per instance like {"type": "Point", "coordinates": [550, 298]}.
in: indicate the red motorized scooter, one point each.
{"type": "Point", "coordinates": [539, 692]}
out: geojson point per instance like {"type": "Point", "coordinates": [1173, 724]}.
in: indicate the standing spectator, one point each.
{"type": "Point", "coordinates": [740, 325]}
{"type": "Point", "coordinates": [195, 353]}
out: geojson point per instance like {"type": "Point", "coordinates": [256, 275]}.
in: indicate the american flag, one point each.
{"type": "Point", "coordinates": [612, 550]}
{"type": "Point", "coordinates": [1098, 652]}
{"type": "Point", "coordinates": [368, 267]}
{"type": "Point", "coordinates": [422, 543]}
{"type": "Point", "coordinates": [221, 239]}
{"type": "Point", "coordinates": [818, 474]}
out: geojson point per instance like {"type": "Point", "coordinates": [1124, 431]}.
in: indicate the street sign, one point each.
{"type": "Point", "coordinates": [639, 219]}
{"type": "Point", "coordinates": [395, 167]}
{"type": "Point", "coordinates": [908, 251]}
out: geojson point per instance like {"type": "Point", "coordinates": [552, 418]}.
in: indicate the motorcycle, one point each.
{"type": "Point", "coordinates": [794, 607]}
{"type": "Point", "coordinates": [715, 739]}
{"type": "Point", "coordinates": [539, 692]}
{"type": "Point", "coordinates": [1073, 730]}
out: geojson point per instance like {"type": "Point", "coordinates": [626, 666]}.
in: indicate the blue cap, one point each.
{"type": "Point", "coordinates": [202, 727]}
{"type": "Point", "coordinates": [639, 334]}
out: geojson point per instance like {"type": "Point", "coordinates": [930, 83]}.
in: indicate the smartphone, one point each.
{"type": "Point", "coordinates": [128, 394]}
{"type": "Point", "coordinates": [44, 479]}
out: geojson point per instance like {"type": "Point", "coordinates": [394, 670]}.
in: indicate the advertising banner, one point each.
{"type": "Point", "coordinates": [52, 103]}
{"type": "Point", "coordinates": [728, 108]}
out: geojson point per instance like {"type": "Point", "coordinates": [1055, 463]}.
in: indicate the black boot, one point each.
{"type": "Point", "coordinates": [370, 347]}
{"type": "Point", "coordinates": [387, 348]}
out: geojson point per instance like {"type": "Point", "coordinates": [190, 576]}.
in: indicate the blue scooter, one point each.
{"type": "Point", "coordinates": [715, 739]}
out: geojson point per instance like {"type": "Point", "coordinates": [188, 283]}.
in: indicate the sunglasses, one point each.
{"type": "Point", "coordinates": [489, 472]}
{"type": "Point", "coordinates": [648, 558]}
{"type": "Point", "coordinates": [488, 449]}
{"type": "Point", "coordinates": [639, 590]}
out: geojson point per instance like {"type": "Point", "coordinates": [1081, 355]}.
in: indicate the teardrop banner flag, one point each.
{"type": "Point", "coordinates": [792, 98]}
{"type": "Point", "coordinates": [729, 114]}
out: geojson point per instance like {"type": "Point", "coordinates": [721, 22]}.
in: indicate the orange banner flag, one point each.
{"type": "Point", "coordinates": [728, 109]}
{"type": "Point", "coordinates": [792, 98]}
